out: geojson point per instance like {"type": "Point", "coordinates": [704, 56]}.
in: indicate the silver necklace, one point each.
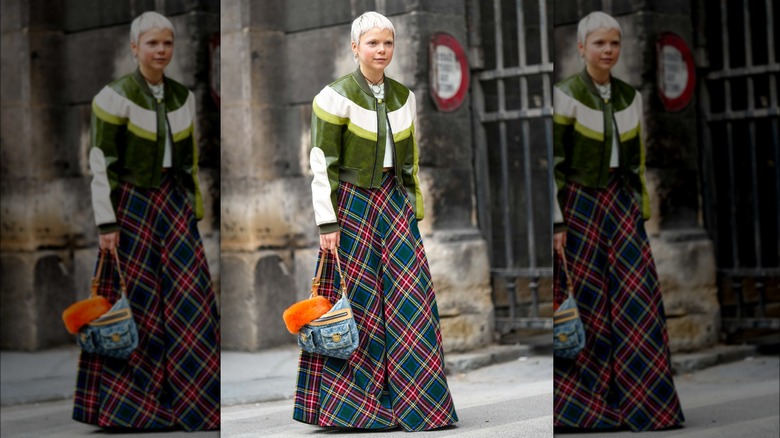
{"type": "Point", "coordinates": [376, 87]}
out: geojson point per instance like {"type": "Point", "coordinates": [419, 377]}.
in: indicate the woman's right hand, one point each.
{"type": "Point", "coordinates": [109, 241]}
{"type": "Point", "coordinates": [330, 241]}
{"type": "Point", "coordinates": [559, 241]}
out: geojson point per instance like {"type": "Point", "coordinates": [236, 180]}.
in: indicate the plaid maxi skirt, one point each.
{"type": "Point", "coordinates": [396, 376]}
{"type": "Point", "coordinates": [172, 379]}
{"type": "Point", "coordinates": [623, 377]}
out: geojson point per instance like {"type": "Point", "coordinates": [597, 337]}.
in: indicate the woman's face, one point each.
{"type": "Point", "coordinates": [601, 50]}
{"type": "Point", "coordinates": [154, 50]}
{"type": "Point", "coordinates": [375, 50]}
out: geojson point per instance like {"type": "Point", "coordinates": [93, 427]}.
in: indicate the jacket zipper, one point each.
{"type": "Point", "coordinates": [157, 171]}
{"type": "Point", "coordinates": [603, 144]}
{"type": "Point", "coordinates": [620, 145]}
{"type": "Point", "coordinates": [376, 152]}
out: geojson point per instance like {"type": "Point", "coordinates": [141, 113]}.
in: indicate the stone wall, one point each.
{"type": "Point", "coordinates": [276, 56]}
{"type": "Point", "coordinates": [56, 56]}
{"type": "Point", "coordinates": [683, 253]}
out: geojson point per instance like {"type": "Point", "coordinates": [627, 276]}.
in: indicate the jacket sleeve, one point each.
{"type": "Point", "coordinates": [564, 117]}
{"type": "Point", "coordinates": [644, 196]}
{"type": "Point", "coordinates": [327, 124]}
{"type": "Point", "coordinates": [107, 130]}
{"type": "Point", "coordinates": [197, 196]}
{"type": "Point", "coordinates": [411, 167]}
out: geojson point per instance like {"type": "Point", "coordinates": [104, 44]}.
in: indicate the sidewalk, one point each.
{"type": "Point", "coordinates": [270, 374]}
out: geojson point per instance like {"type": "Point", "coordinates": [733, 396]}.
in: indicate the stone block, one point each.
{"type": "Point", "coordinates": [82, 15]}
{"type": "Point", "coordinates": [268, 72]}
{"type": "Point", "coordinates": [233, 66]}
{"type": "Point", "coordinates": [45, 15]}
{"type": "Point", "coordinates": [268, 15]}
{"type": "Point", "coordinates": [253, 145]}
{"type": "Point", "coordinates": [239, 326]}
{"type": "Point", "coordinates": [304, 270]}
{"type": "Point", "coordinates": [14, 69]}
{"type": "Point", "coordinates": [461, 278]}
{"type": "Point", "coordinates": [36, 288]}
{"type": "Point", "coordinates": [466, 332]}
{"type": "Point", "coordinates": [258, 287]}
{"type": "Point", "coordinates": [322, 14]}
{"type": "Point", "coordinates": [686, 269]}
{"type": "Point", "coordinates": [267, 214]}
{"type": "Point", "coordinates": [327, 55]}
{"type": "Point", "coordinates": [53, 156]}
{"type": "Point", "coordinates": [76, 135]}
{"type": "Point", "coordinates": [14, 17]}
{"type": "Point", "coordinates": [40, 213]}
{"type": "Point", "coordinates": [442, 7]}
{"type": "Point", "coordinates": [444, 139]}
{"type": "Point", "coordinates": [232, 16]}
{"type": "Point", "coordinates": [17, 314]}
{"type": "Point", "coordinates": [84, 263]}
{"type": "Point", "coordinates": [15, 130]}
{"type": "Point", "coordinates": [110, 58]}
{"type": "Point", "coordinates": [184, 6]}
{"type": "Point", "coordinates": [275, 286]}
{"type": "Point", "coordinates": [448, 198]}
{"type": "Point", "coordinates": [693, 332]}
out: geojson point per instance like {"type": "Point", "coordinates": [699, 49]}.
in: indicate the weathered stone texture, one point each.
{"type": "Point", "coordinates": [55, 57]}
{"type": "Point", "coordinates": [36, 288]}
{"type": "Point", "coordinates": [686, 268]}
{"type": "Point", "coordinates": [258, 287]}
{"type": "Point", "coordinates": [460, 271]}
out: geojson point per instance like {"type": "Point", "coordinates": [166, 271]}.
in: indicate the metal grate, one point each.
{"type": "Point", "coordinates": [741, 158]}
{"type": "Point", "coordinates": [512, 103]}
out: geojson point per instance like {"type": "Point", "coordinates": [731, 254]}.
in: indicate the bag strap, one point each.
{"type": "Point", "coordinates": [97, 277]}
{"type": "Point", "coordinates": [569, 286]}
{"type": "Point", "coordinates": [315, 282]}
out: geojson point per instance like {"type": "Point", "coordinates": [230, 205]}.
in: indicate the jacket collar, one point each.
{"type": "Point", "coordinates": [591, 86]}
{"type": "Point", "coordinates": [363, 83]}
{"type": "Point", "coordinates": [141, 80]}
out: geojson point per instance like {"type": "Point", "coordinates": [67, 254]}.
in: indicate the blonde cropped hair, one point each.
{"type": "Point", "coordinates": [596, 20]}
{"type": "Point", "coordinates": [149, 20]}
{"type": "Point", "coordinates": [368, 21]}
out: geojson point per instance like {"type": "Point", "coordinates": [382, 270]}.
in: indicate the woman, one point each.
{"type": "Point", "coordinates": [146, 200]}
{"type": "Point", "coordinates": [623, 377]}
{"type": "Point", "coordinates": [367, 202]}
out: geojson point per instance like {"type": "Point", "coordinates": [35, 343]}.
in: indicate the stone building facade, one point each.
{"type": "Point", "coordinates": [683, 249]}
{"type": "Point", "coordinates": [56, 55]}
{"type": "Point", "coordinates": [276, 56]}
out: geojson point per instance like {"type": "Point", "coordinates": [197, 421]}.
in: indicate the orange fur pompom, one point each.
{"type": "Point", "coordinates": [304, 312]}
{"type": "Point", "coordinates": [83, 312]}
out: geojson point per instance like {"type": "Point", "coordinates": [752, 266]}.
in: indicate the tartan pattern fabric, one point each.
{"type": "Point", "coordinates": [623, 377]}
{"type": "Point", "coordinates": [172, 379]}
{"type": "Point", "coordinates": [396, 376]}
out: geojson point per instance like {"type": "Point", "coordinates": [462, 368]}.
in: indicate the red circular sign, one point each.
{"type": "Point", "coordinates": [448, 72]}
{"type": "Point", "coordinates": [676, 71]}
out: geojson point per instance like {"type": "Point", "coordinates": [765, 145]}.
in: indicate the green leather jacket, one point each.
{"type": "Point", "coordinates": [583, 125]}
{"type": "Point", "coordinates": [348, 138]}
{"type": "Point", "coordinates": [127, 146]}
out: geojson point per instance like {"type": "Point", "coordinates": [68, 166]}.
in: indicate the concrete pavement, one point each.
{"type": "Point", "coordinates": [269, 375]}
{"type": "Point", "coordinates": [502, 389]}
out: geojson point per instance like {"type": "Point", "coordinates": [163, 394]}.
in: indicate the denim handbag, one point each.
{"type": "Point", "coordinates": [568, 331]}
{"type": "Point", "coordinates": [335, 333]}
{"type": "Point", "coordinates": [114, 334]}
